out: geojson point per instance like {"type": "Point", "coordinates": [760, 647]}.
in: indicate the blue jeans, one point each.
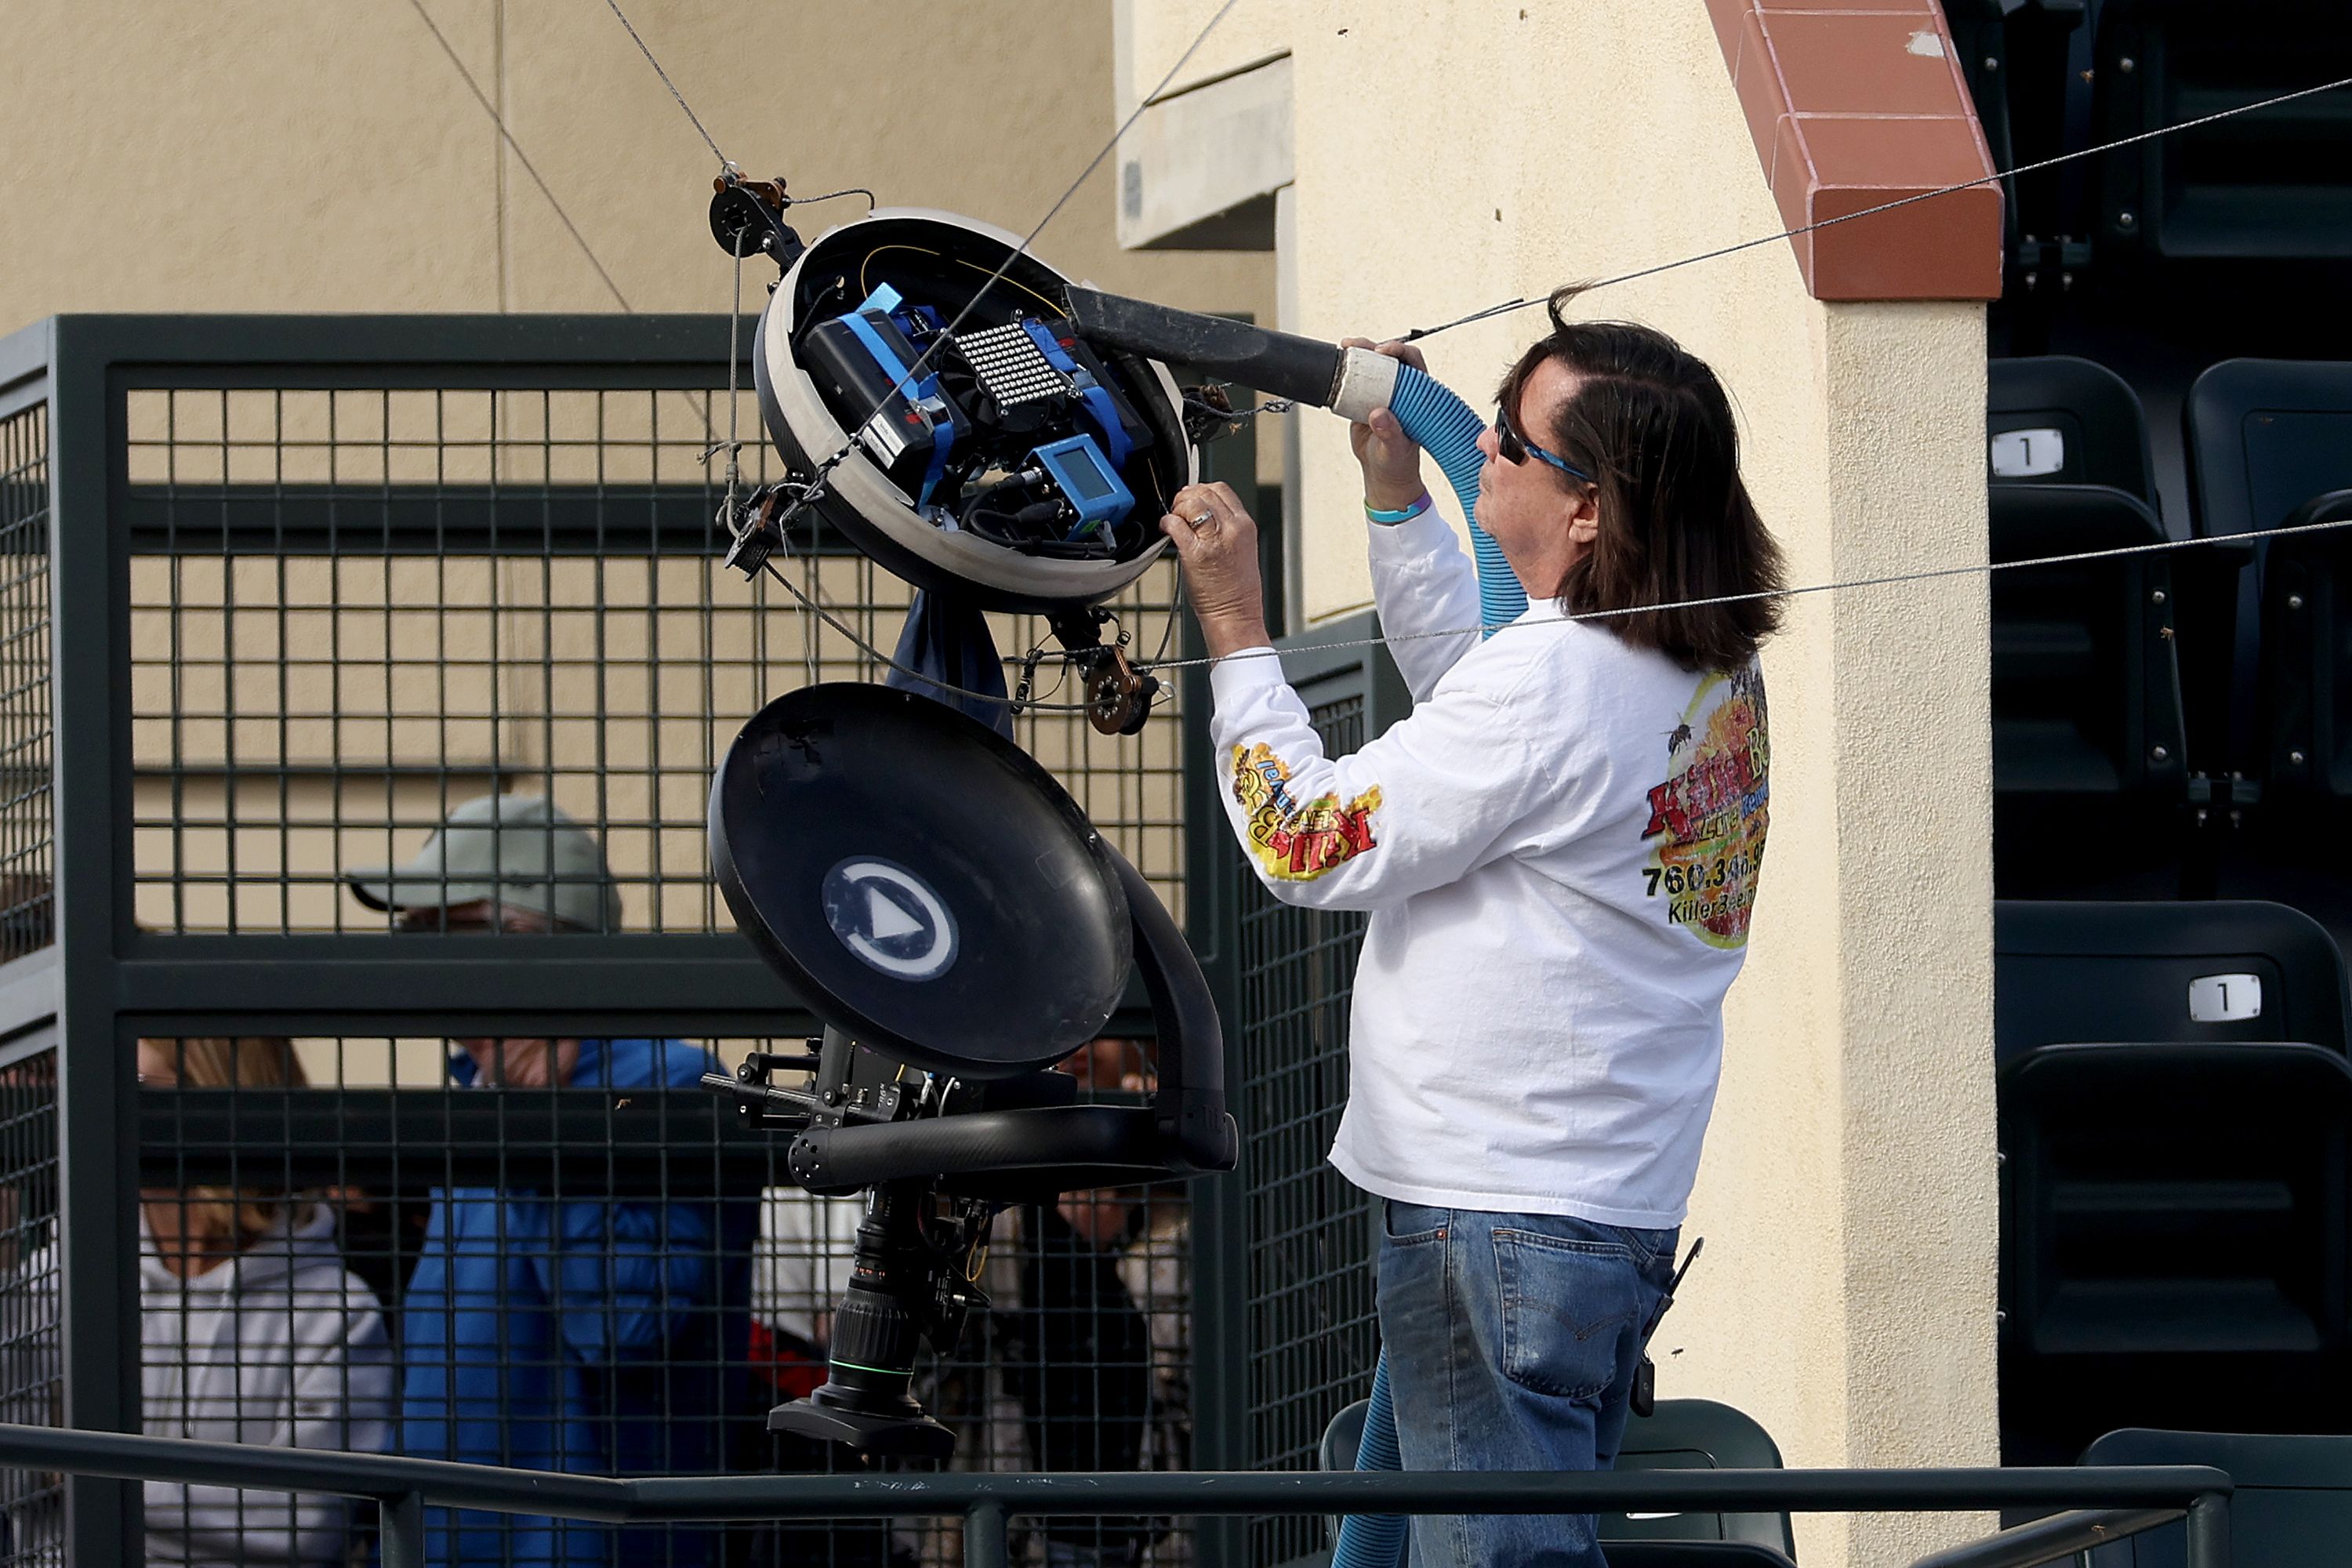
{"type": "Point", "coordinates": [1512, 1341]}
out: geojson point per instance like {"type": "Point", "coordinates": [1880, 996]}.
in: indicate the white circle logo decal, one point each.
{"type": "Point", "coordinates": [887, 915]}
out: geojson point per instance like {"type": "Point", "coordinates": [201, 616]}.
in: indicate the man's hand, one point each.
{"type": "Point", "coordinates": [1216, 541]}
{"type": "Point", "coordinates": [1392, 463]}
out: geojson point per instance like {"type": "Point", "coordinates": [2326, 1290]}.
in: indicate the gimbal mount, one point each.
{"type": "Point", "coordinates": [936, 898]}
{"type": "Point", "coordinates": [926, 887]}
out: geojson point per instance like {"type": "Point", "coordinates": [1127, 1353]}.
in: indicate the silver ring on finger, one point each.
{"type": "Point", "coordinates": [1201, 520]}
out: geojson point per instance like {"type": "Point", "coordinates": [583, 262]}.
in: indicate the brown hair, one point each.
{"type": "Point", "coordinates": [231, 1216]}
{"type": "Point", "coordinates": [1652, 426]}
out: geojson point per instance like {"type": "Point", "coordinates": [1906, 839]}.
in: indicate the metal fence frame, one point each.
{"type": "Point", "coordinates": [2124, 1499]}
{"type": "Point", "coordinates": [1277, 1241]}
{"type": "Point", "coordinates": [104, 983]}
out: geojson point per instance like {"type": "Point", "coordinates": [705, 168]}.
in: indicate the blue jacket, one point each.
{"type": "Point", "coordinates": [592, 1335]}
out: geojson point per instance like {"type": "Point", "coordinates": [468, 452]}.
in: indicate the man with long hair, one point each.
{"type": "Point", "coordinates": [1559, 850]}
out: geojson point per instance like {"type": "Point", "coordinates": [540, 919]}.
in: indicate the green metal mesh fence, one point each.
{"type": "Point", "coordinates": [525, 1299]}
{"type": "Point", "coordinates": [26, 833]}
{"type": "Point", "coordinates": [353, 609]}
{"type": "Point", "coordinates": [1310, 1319]}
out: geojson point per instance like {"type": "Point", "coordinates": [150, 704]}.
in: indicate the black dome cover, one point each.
{"type": "Point", "coordinates": [924, 884]}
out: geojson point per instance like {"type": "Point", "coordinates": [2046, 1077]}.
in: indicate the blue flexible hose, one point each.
{"type": "Point", "coordinates": [1443, 426]}
{"type": "Point", "coordinates": [1374, 1540]}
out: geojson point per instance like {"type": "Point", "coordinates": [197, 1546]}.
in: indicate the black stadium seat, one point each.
{"type": "Point", "coordinates": [1696, 1435]}
{"type": "Point", "coordinates": [2291, 1506]}
{"type": "Point", "coordinates": [2307, 661]}
{"type": "Point", "coordinates": [2173, 1244]}
{"type": "Point", "coordinates": [2270, 445]}
{"type": "Point", "coordinates": [1646, 1553]}
{"type": "Point", "coordinates": [2087, 735]}
{"type": "Point", "coordinates": [2176, 1103]}
{"type": "Point", "coordinates": [2191, 972]}
{"type": "Point", "coordinates": [2265, 439]}
{"type": "Point", "coordinates": [2266, 435]}
{"type": "Point", "coordinates": [2272, 188]}
{"type": "Point", "coordinates": [2175, 1099]}
{"type": "Point", "coordinates": [1678, 1435]}
{"type": "Point", "coordinates": [2017, 59]}
{"type": "Point", "coordinates": [2060, 420]}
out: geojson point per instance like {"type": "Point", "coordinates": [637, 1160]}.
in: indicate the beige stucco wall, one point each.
{"type": "Point", "coordinates": [1451, 156]}
{"type": "Point", "coordinates": [292, 155]}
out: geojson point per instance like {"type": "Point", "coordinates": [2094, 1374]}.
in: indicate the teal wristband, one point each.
{"type": "Point", "coordinates": [1390, 519]}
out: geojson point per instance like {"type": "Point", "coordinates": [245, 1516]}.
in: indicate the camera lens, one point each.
{"type": "Point", "coordinates": [873, 1342]}
{"type": "Point", "coordinates": [877, 1330]}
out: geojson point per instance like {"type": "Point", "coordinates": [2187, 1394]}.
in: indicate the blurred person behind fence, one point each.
{"type": "Point", "coordinates": [251, 1330]}
{"type": "Point", "coordinates": [32, 1365]}
{"type": "Point", "coordinates": [1077, 1351]}
{"type": "Point", "coordinates": [583, 1333]}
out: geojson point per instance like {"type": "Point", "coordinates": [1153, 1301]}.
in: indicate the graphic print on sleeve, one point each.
{"type": "Point", "coordinates": [1295, 842]}
{"type": "Point", "coordinates": [1708, 818]}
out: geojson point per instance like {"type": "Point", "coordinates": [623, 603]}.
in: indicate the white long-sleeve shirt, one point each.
{"type": "Point", "coordinates": [1558, 849]}
{"type": "Point", "coordinates": [280, 1345]}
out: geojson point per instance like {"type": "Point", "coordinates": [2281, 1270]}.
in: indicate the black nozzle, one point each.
{"type": "Point", "coordinates": [1280, 364]}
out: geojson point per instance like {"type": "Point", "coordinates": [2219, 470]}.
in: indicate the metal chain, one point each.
{"type": "Point", "coordinates": [1270, 405]}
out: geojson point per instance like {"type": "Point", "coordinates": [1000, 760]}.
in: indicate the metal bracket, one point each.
{"type": "Point", "coordinates": [756, 529]}
{"type": "Point", "coordinates": [1209, 414]}
{"type": "Point", "coordinates": [1117, 695]}
{"type": "Point", "coordinates": [747, 218]}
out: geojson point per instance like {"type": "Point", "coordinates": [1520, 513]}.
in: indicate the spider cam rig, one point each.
{"type": "Point", "coordinates": [921, 379]}
{"type": "Point", "coordinates": [985, 450]}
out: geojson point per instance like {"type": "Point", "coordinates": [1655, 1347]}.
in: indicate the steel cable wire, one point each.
{"type": "Point", "coordinates": [1972, 569]}
{"type": "Point", "coordinates": [520, 156]}
{"type": "Point", "coordinates": [811, 489]}
{"type": "Point", "coordinates": [1508, 305]}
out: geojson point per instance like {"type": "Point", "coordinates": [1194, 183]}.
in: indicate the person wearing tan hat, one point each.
{"type": "Point", "coordinates": [582, 1333]}
{"type": "Point", "coordinates": [502, 862]}
{"type": "Point", "coordinates": [518, 852]}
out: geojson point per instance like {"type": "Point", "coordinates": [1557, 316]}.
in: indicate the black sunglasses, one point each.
{"type": "Point", "coordinates": [1516, 448]}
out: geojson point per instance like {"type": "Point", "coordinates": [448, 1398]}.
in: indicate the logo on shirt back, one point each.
{"type": "Point", "coordinates": [1295, 842]}
{"type": "Point", "coordinates": [1710, 814]}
